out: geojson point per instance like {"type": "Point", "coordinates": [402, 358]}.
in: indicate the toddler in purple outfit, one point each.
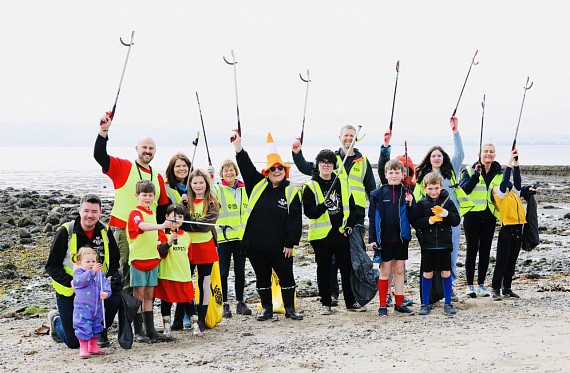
{"type": "Point", "coordinates": [91, 287]}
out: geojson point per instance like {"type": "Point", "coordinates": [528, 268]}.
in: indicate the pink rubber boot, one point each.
{"type": "Point", "coordinates": [93, 348]}
{"type": "Point", "coordinates": [84, 349]}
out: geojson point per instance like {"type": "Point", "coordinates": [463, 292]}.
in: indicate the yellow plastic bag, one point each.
{"type": "Point", "coordinates": [277, 298]}
{"type": "Point", "coordinates": [216, 305]}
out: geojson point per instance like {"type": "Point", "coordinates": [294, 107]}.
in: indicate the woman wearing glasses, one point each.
{"type": "Point", "coordinates": [271, 226]}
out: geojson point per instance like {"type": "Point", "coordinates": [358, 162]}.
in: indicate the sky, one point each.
{"type": "Point", "coordinates": [62, 60]}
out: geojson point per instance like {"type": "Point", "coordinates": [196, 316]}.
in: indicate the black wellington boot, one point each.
{"type": "Point", "coordinates": [288, 295]}
{"type": "Point", "coordinates": [138, 326]}
{"type": "Point", "coordinates": [103, 339]}
{"type": "Point", "coordinates": [202, 310]}
{"type": "Point", "coordinates": [178, 317]}
{"type": "Point", "coordinates": [151, 332]}
{"type": "Point", "coordinates": [266, 303]}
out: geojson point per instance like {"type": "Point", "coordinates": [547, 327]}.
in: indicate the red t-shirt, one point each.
{"type": "Point", "coordinates": [119, 170]}
{"type": "Point", "coordinates": [135, 218]}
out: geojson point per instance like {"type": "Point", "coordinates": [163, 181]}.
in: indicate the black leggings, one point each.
{"type": "Point", "coordinates": [263, 264]}
{"type": "Point", "coordinates": [204, 270]}
{"type": "Point", "coordinates": [166, 308]}
{"type": "Point", "coordinates": [323, 256]}
{"type": "Point", "coordinates": [479, 237]}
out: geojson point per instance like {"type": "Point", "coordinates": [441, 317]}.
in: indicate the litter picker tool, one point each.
{"type": "Point", "coordinates": [526, 88]}
{"type": "Point", "coordinates": [308, 80]}
{"type": "Point", "coordinates": [341, 170]}
{"type": "Point", "coordinates": [481, 136]}
{"type": "Point", "coordinates": [210, 168]}
{"type": "Point", "coordinates": [129, 45]}
{"type": "Point", "coordinates": [195, 143]}
{"type": "Point", "coordinates": [407, 179]}
{"type": "Point", "coordinates": [394, 99]}
{"type": "Point", "coordinates": [464, 83]}
{"type": "Point", "coordinates": [224, 227]}
{"type": "Point", "coordinates": [234, 63]}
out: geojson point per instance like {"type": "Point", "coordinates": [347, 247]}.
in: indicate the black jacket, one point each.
{"type": "Point", "coordinates": [58, 251]}
{"type": "Point", "coordinates": [439, 234]}
{"type": "Point", "coordinates": [271, 226]}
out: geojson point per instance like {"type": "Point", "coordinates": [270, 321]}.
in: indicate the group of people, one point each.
{"type": "Point", "coordinates": [162, 230]}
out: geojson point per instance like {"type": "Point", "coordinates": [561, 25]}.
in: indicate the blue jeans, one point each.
{"type": "Point", "coordinates": [64, 324]}
{"type": "Point", "coordinates": [225, 252]}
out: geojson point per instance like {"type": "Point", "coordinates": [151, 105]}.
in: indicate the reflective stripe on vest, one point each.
{"type": "Point", "coordinates": [355, 179]}
{"type": "Point", "coordinates": [199, 237]}
{"type": "Point", "coordinates": [290, 193]}
{"type": "Point", "coordinates": [145, 245]}
{"type": "Point", "coordinates": [172, 194]}
{"type": "Point", "coordinates": [125, 198]}
{"type": "Point", "coordinates": [230, 211]}
{"type": "Point", "coordinates": [175, 267]}
{"type": "Point", "coordinates": [67, 291]}
{"type": "Point", "coordinates": [465, 202]}
{"type": "Point", "coordinates": [481, 196]}
{"type": "Point", "coordinates": [319, 228]}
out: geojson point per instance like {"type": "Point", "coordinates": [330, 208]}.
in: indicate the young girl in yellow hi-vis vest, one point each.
{"type": "Point", "coordinates": [203, 207]}
{"type": "Point", "coordinates": [174, 276]}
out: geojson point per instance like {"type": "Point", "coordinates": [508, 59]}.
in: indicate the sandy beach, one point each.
{"type": "Point", "coordinates": [526, 334]}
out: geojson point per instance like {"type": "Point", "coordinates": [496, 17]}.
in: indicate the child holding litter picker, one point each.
{"type": "Point", "coordinates": [512, 216]}
{"type": "Point", "coordinates": [91, 287]}
{"type": "Point", "coordinates": [174, 276]}
{"type": "Point", "coordinates": [433, 219]}
{"type": "Point", "coordinates": [389, 234]}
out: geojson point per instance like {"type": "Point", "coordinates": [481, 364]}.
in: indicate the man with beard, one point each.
{"type": "Point", "coordinates": [125, 174]}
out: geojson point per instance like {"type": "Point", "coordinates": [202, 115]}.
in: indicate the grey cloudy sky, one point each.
{"type": "Point", "coordinates": [61, 63]}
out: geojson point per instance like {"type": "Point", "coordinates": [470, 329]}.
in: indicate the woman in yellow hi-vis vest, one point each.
{"type": "Point", "coordinates": [478, 181]}
{"type": "Point", "coordinates": [272, 225]}
{"type": "Point", "coordinates": [176, 178]}
{"type": "Point", "coordinates": [233, 204]}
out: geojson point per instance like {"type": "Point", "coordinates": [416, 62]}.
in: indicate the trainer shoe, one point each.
{"type": "Point", "coordinates": [389, 300]}
{"type": "Point", "coordinates": [496, 295]}
{"type": "Point", "coordinates": [449, 310]}
{"type": "Point", "coordinates": [403, 309]}
{"type": "Point", "coordinates": [334, 299]}
{"type": "Point", "coordinates": [407, 302]}
{"type": "Point", "coordinates": [425, 310]}
{"type": "Point", "coordinates": [186, 322]}
{"type": "Point", "coordinates": [326, 310]}
{"type": "Point", "coordinates": [470, 292]}
{"type": "Point", "coordinates": [356, 307]}
{"type": "Point", "coordinates": [508, 293]}
{"type": "Point", "coordinates": [227, 312]}
{"type": "Point", "coordinates": [53, 315]}
{"type": "Point", "coordinates": [482, 291]}
{"type": "Point", "coordinates": [383, 312]}
{"type": "Point", "coordinates": [242, 309]}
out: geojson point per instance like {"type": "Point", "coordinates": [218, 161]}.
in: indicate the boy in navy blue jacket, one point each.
{"type": "Point", "coordinates": [390, 233]}
{"type": "Point", "coordinates": [433, 218]}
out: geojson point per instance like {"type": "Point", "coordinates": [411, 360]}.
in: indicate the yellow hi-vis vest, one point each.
{"type": "Point", "coordinates": [465, 203]}
{"type": "Point", "coordinates": [173, 194]}
{"type": "Point", "coordinates": [290, 193]}
{"type": "Point", "coordinates": [199, 237]}
{"type": "Point", "coordinates": [125, 199]}
{"type": "Point", "coordinates": [355, 179]}
{"type": "Point", "coordinates": [483, 197]}
{"type": "Point", "coordinates": [145, 245]}
{"type": "Point", "coordinates": [319, 228]}
{"type": "Point", "coordinates": [67, 291]}
{"type": "Point", "coordinates": [230, 212]}
{"type": "Point", "coordinates": [176, 267]}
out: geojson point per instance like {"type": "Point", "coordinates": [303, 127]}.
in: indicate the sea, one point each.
{"type": "Point", "coordinates": [74, 169]}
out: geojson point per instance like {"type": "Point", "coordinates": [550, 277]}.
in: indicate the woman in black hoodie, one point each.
{"type": "Point", "coordinates": [331, 221]}
{"type": "Point", "coordinates": [479, 223]}
{"type": "Point", "coordinates": [272, 226]}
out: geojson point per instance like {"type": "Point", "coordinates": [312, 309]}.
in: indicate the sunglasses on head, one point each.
{"type": "Point", "coordinates": [275, 168]}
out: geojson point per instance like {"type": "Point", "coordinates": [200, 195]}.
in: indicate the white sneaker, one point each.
{"type": "Point", "coordinates": [326, 310]}
{"type": "Point", "coordinates": [482, 291]}
{"type": "Point", "coordinates": [471, 291]}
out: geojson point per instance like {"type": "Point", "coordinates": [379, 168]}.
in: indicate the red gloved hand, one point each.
{"type": "Point", "coordinates": [453, 123]}
{"type": "Point", "coordinates": [387, 136]}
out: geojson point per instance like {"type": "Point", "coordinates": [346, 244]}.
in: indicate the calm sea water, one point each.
{"type": "Point", "coordinates": [75, 170]}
